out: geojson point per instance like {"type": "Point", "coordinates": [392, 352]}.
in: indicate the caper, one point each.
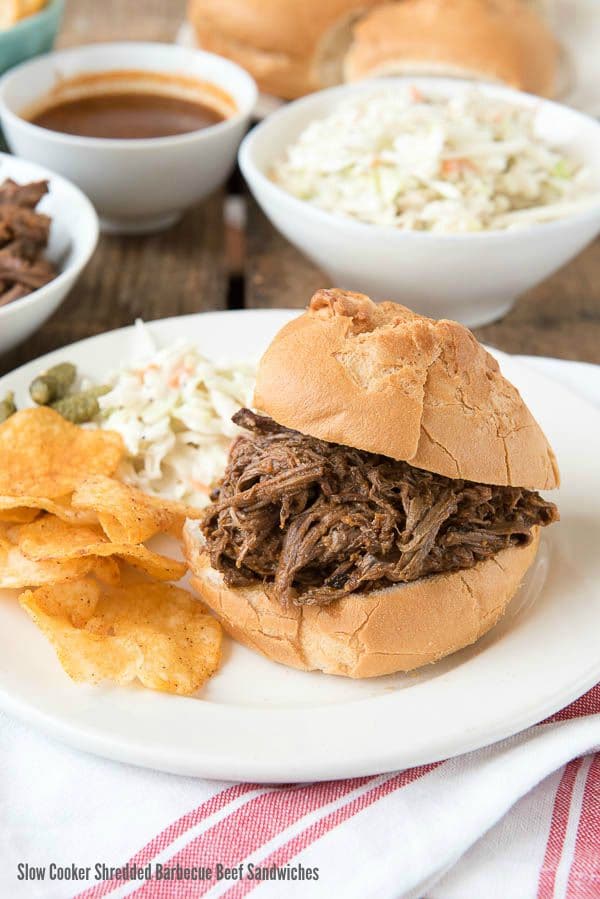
{"type": "Point", "coordinates": [53, 384]}
{"type": "Point", "coordinates": [7, 406]}
{"type": "Point", "coordinates": [80, 407]}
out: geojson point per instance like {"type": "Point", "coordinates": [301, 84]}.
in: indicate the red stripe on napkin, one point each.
{"type": "Point", "coordinates": [584, 876]}
{"type": "Point", "coordinates": [170, 834]}
{"type": "Point", "coordinates": [245, 830]}
{"type": "Point", "coordinates": [319, 828]}
{"type": "Point", "coordinates": [558, 830]}
{"type": "Point", "coordinates": [588, 704]}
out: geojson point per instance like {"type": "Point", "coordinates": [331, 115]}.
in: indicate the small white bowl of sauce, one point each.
{"type": "Point", "coordinates": [146, 130]}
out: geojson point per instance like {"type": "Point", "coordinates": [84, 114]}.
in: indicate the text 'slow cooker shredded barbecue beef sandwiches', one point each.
{"type": "Point", "coordinates": [382, 511]}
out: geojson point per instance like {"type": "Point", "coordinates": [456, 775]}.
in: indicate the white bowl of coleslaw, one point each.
{"type": "Point", "coordinates": [454, 205]}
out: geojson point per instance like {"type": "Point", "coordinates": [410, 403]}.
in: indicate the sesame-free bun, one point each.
{"type": "Point", "coordinates": [383, 379]}
{"type": "Point", "coordinates": [291, 48]}
{"type": "Point", "coordinates": [366, 634]}
{"type": "Point", "coordinates": [494, 40]}
{"type": "Point", "coordinates": [298, 46]}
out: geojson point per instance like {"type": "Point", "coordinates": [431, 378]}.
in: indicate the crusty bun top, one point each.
{"type": "Point", "coordinates": [386, 380]}
{"type": "Point", "coordinates": [499, 40]}
{"type": "Point", "coordinates": [285, 45]}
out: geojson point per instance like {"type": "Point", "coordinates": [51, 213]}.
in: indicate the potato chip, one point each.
{"type": "Point", "coordinates": [43, 455]}
{"type": "Point", "coordinates": [52, 534]}
{"type": "Point", "coordinates": [20, 509]}
{"type": "Point", "coordinates": [156, 633]}
{"type": "Point", "coordinates": [49, 537]}
{"type": "Point", "coordinates": [153, 564]}
{"type": "Point", "coordinates": [106, 570]}
{"type": "Point", "coordinates": [75, 601]}
{"type": "Point", "coordinates": [16, 570]}
{"type": "Point", "coordinates": [17, 514]}
{"type": "Point", "coordinates": [127, 514]}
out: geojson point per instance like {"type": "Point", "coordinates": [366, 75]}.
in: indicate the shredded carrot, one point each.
{"type": "Point", "coordinates": [177, 374]}
{"type": "Point", "coordinates": [455, 166]}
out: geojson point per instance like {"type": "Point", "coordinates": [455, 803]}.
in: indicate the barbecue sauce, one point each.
{"type": "Point", "coordinates": [127, 116]}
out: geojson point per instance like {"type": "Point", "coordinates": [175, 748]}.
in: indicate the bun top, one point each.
{"type": "Point", "coordinates": [386, 380]}
{"type": "Point", "coordinates": [290, 47]}
{"type": "Point", "coordinates": [498, 40]}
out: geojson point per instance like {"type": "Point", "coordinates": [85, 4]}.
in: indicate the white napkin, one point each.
{"type": "Point", "coordinates": [518, 819]}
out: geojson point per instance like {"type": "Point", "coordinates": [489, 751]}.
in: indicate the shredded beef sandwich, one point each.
{"type": "Point", "coordinates": [380, 508]}
{"type": "Point", "coordinates": [315, 521]}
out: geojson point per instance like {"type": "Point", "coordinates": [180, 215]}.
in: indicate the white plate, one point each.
{"type": "Point", "coordinates": [257, 720]}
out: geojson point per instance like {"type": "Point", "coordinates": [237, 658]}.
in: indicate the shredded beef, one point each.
{"type": "Point", "coordinates": [24, 235]}
{"type": "Point", "coordinates": [315, 521]}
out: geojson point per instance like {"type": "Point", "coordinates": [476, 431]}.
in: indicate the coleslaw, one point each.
{"type": "Point", "coordinates": [173, 408]}
{"type": "Point", "coordinates": [460, 164]}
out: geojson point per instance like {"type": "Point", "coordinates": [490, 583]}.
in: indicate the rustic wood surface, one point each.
{"type": "Point", "coordinates": [186, 268]}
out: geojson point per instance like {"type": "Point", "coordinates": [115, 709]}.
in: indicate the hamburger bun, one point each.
{"type": "Point", "coordinates": [290, 48]}
{"type": "Point", "coordinates": [380, 378]}
{"type": "Point", "coordinates": [399, 628]}
{"type": "Point", "coordinates": [504, 40]}
{"type": "Point", "coordinates": [383, 379]}
{"type": "Point", "coordinates": [300, 46]}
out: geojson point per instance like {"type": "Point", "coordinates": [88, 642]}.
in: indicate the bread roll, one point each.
{"type": "Point", "coordinates": [300, 46]}
{"type": "Point", "coordinates": [386, 380]}
{"type": "Point", "coordinates": [366, 634]}
{"type": "Point", "coordinates": [290, 48]}
{"type": "Point", "coordinates": [504, 41]}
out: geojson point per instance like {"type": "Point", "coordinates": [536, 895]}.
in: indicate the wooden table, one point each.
{"type": "Point", "coordinates": [198, 264]}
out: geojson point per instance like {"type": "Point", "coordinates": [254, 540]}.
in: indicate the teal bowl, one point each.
{"type": "Point", "coordinates": [30, 36]}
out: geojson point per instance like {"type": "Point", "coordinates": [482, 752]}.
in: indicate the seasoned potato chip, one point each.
{"type": "Point", "coordinates": [45, 456]}
{"type": "Point", "coordinates": [17, 514]}
{"type": "Point", "coordinates": [106, 570]}
{"type": "Point", "coordinates": [127, 514]}
{"type": "Point", "coordinates": [160, 567]}
{"type": "Point", "coordinates": [19, 509]}
{"type": "Point", "coordinates": [16, 570]}
{"type": "Point", "coordinates": [49, 537]}
{"type": "Point", "coordinates": [157, 633]}
{"type": "Point", "coordinates": [76, 601]}
{"type": "Point", "coordinates": [43, 541]}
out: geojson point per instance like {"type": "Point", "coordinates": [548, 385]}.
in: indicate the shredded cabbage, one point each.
{"type": "Point", "coordinates": [460, 164]}
{"type": "Point", "coordinates": [173, 408]}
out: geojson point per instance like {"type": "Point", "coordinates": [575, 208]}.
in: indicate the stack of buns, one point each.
{"type": "Point", "coordinates": [300, 46]}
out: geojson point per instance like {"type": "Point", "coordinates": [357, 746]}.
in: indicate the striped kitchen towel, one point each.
{"type": "Point", "coordinates": [519, 819]}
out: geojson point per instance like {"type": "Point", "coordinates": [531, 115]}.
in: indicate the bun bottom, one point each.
{"type": "Point", "coordinates": [399, 628]}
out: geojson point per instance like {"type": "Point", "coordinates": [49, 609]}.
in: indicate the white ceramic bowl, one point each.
{"type": "Point", "coordinates": [73, 238]}
{"type": "Point", "coordinates": [473, 278]}
{"type": "Point", "coordinates": [135, 185]}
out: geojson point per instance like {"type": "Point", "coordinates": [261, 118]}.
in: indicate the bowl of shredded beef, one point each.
{"type": "Point", "coordinates": [24, 234]}
{"type": "Point", "coordinates": [48, 232]}
{"type": "Point", "coordinates": [313, 521]}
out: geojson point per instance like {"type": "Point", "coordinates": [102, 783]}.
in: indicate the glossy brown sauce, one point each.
{"type": "Point", "coordinates": [127, 116]}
